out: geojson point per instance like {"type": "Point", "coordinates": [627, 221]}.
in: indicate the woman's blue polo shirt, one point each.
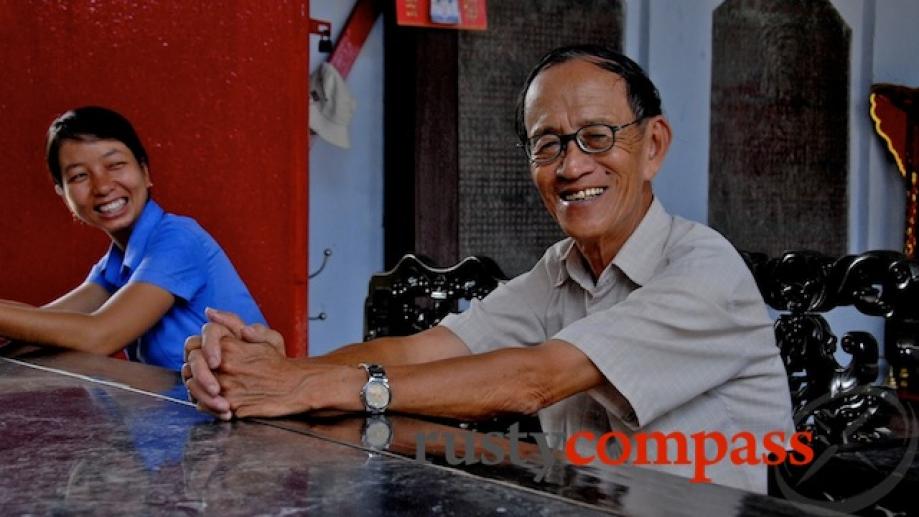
{"type": "Point", "coordinates": [175, 254]}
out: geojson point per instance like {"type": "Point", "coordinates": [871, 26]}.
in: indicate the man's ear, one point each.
{"type": "Point", "coordinates": [59, 190]}
{"type": "Point", "coordinates": [659, 135]}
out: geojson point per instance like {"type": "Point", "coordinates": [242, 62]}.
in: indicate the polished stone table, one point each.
{"type": "Point", "coordinates": [82, 434]}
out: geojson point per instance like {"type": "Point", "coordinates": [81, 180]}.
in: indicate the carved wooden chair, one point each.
{"type": "Point", "coordinates": [828, 399]}
{"type": "Point", "coordinates": [838, 403]}
{"type": "Point", "coordinates": [415, 295]}
{"type": "Point", "coordinates": [862, 434]}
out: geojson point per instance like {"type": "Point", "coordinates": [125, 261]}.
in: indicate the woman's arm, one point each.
{"type": "Point", "coordinates": [121, 319]}
{"type": "Point", "coordinates": [86, 298]}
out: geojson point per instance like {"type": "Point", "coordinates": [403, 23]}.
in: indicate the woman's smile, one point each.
{"type": "Point", "coordinates": [104, 185]}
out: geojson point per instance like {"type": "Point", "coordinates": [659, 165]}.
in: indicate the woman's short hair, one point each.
{"type": "Point", "coordinates": [87, 124]}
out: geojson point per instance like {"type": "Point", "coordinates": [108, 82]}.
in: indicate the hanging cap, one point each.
{"type": "Point", "coordinates": [331, 105]}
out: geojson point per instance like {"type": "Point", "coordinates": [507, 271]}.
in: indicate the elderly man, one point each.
{"type": "Point", "coordinates": [639, 322]}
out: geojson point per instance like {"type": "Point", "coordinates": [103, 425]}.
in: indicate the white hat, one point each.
{"type": "Point", "coordinates": [331, 105]}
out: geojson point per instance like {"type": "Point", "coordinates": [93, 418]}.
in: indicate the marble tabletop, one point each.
{"type": "Point", "coordinates": [82, 434]}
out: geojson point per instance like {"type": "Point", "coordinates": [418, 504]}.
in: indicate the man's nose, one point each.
{"type": "Point", "coordinates": [574, 162]}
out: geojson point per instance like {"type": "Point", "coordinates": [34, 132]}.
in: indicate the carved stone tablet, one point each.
{"type": "Point", "coordinates": [780, 125]}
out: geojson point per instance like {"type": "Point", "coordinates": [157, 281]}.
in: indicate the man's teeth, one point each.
{"type": "Point", "coordinates": [583, 194]}
{"type": "Point", "coordinates": [114, 206]}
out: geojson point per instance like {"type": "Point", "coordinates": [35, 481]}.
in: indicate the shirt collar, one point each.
{"type": "Point", "coordinates": [567, 256]}
{"type": "Point", "coordinates": [137, 244]}
{"type": "Point", "coordinates": [117, 260]}
{"type": "Point", "coordinates": [638, 258]}
{"type": "Point", "coordinates": [643, 252]}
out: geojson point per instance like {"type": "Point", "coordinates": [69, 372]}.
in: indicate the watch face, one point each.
{"type": "Point", "coordinates": [377, 395]}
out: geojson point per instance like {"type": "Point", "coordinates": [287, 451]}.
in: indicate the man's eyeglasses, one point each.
{"type": "Point", "coordinates": [595, 138]}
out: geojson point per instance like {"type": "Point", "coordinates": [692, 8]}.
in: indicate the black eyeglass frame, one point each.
{"type": "Point", "coordinates": [564, 139]}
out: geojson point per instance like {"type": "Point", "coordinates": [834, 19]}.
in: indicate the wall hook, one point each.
{"type": "Point", "coordinates": [326, 253]}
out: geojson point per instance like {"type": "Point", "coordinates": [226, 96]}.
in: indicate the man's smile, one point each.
{"type": "Point", "coordinates": [583, 194]}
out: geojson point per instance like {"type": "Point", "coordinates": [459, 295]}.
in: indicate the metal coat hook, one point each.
{"type": "Point", "coordinates": [326, 253]}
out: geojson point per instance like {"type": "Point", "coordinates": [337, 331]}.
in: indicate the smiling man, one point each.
{"type": "Point", "coordinates": [639, 322]}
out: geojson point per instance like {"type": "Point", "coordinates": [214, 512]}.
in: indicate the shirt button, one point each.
{"type": "Point", "coordinates": [630, 418]}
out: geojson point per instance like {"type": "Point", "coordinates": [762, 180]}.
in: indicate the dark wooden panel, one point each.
{"type": "Point", "coordinates": [435, 153]}
{"type": "Point", "coordinates": [779, 125]}
{"type": "Point", "coordinates": [500, 213]}
{"type": "Point", "coordinates": [420, 195]}
{"type": "Point", "coordinates": [398, 145]}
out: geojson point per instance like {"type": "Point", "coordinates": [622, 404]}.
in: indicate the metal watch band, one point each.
{"type": "Point", "coordinates": [374, 371]}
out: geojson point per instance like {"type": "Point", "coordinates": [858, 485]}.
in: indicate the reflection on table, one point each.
{"type": "Point", "coordinates": [83, 433]}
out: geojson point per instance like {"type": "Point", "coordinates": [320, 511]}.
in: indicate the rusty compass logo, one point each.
{"type": "Point", "coordinates": [843, 497]}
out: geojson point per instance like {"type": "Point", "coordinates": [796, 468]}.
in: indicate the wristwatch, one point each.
{"type": "Point", "coordinates": [376, 394]}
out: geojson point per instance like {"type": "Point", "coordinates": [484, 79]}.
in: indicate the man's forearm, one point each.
{"type": "Point", "coordinates": [257, 380]}
{"type": "Point", "coordinates": [431, 345]}
{"type": "Point", "coordinates": [382, 350]}
{"type": "Point", "coordinates": [507, 381]}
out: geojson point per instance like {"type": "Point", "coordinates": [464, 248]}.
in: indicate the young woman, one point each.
{"type": "Point", "coordinates": [150, 290]}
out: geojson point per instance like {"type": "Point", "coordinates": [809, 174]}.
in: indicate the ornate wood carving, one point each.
{"type": "Point", "coordinates": [414, 295]}
{"type": "Point", "coordinates": [805, 284]}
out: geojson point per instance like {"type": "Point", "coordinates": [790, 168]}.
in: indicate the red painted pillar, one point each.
{"type": "Point", "coordinates": [218, 93]}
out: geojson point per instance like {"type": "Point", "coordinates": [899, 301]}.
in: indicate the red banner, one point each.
{"type": "Point", "coordinates": [442, 14]}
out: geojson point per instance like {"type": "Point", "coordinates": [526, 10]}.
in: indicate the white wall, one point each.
{"type": "Point", "coordinates": [679, 61]}
{"type": "Point", "coordinates": [346, 195]}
